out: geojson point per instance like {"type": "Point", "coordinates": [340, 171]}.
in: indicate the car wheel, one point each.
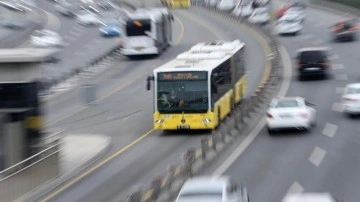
{"type": "Point", "coordinates": [270, 131]}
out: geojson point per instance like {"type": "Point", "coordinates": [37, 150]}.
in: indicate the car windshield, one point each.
{"type": "Point", "coordinates": [312, 56]}
{"type": "Point", "coordinates": [286, 104]}
{"type": "Point", "coordinates": [353, 91]}
{"type": "Point", "coordinates": [214, 196]}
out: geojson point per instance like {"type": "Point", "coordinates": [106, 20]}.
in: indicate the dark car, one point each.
{"type": "Point", "coordinates": [345, 30]}
{"type": "Point", "coordinates": [313, 62]}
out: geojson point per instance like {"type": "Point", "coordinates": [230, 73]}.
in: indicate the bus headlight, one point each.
{"type": "Point", "coordinates": [206, 120]}
{"type": "Point", "coordinates": [159, 121]}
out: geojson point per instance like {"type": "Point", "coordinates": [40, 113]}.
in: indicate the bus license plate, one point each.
{"type": "Point", "coordinates": [183, 127]}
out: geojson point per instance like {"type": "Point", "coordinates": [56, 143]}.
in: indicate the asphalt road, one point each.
{"type": "Point", "coordinates": [326, 159]}
{"type": "Point", "coordinates": [124, 112]}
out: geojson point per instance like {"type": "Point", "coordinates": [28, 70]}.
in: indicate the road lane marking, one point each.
{"type": "Point", "coordinates": [256, 131]}
{"type": "Point", "coordinates": [337, 66]}
{"type": "Point", "coordinates": [340, 90]}
{"type": "Point", "coordinates": [330, 130]}
{"type": "Point", "coordinates": [217, 35]}
{"type": "Point", "coordinates": [181, 35]}
{"type": "Point", "coordinates": [92, 169]}
{"type": "Point", "coordinates": [317, 156]}
{"type": "Point", "coordinates": [337, 107]}
{"type": "Point", "coordinates": [295, 188]}
{"type": "Point", "coordinates": [341, 77]}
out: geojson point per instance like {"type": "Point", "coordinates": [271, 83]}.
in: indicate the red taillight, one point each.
{"type": "Point", "coordinates": [354, 28]}
{"type": "Point", "coordinates": [268, 115]}
{"type": "Point", "coordinates": [335, 29]}
{"type": "Point", "coordinates": [350, 99]}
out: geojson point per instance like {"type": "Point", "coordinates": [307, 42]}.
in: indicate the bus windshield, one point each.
{"type": "Point", "coordinates": [137, 27]}
{"type": "Point", "coordinates": [182, 96]}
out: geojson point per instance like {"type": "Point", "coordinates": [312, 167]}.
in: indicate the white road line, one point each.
{"type": "Point", "coordinates": [334, 57]}
{"type": "Point", "coordinates": [337, 66]}
{"type": "Point", "coordinates": [287, 74]}
{"type": "Point", "coordinates": [317, 156]}
{"type": "Point", "coordinates": [295, 188]}
{"type": "Point", "coordinates": [340, 90]}
{"type": "Point", "coordinates": [330, 130]}
{"type": "Point", "coordinates": [337, 107]}
{"type": "Point", "coordinates": [341, 77]}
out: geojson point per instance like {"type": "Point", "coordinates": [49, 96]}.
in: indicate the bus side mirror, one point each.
{"type": "Point", "coordinates": [148, 80]}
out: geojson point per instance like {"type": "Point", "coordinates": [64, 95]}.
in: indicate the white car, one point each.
{"type": "Point", "coordinates": [290, 112]}
{"type": "Point", "coordinates": [226, 5]}
{"type": "Point", "coordinates": [87, 18]}
{"type": "Point", "coordinates": [309, 197]}
{"type": "Point", "coordinates": [212, 189]}
{"type": "Point", "coordinates": [243, 10]}
{"type": "Point", "coordinates": [46, 38]}
{"type": "Point", "coordinates": [351, 99]}
{"type": "Point", "coordinates": [295, 12]}
{"type": "Point", "coordinates": [288, 26]}
{"type": "Point", "coordinates": [260, 16]}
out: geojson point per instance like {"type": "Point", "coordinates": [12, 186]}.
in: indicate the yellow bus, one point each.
{"type": "Point", "coordinates": [176, 3]}
{"type": "Point", "coordinates": [200, 87]}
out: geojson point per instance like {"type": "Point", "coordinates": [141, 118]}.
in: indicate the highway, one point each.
{"type": "Point", "coordinates": [124, 112]}
{"type": "Point", "coordinates": [326, 159]}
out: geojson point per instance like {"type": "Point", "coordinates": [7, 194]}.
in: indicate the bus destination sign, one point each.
{"type": "Point", "coordinates": [173, 76]}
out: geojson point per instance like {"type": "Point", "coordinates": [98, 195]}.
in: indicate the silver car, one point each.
{"type": "Point", "coordinates": [212, 189]}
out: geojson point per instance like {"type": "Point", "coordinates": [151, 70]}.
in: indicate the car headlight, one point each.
{"type": "Point", "coordinates": [159, 121]}
{"type": "Point", "coordinates": [206, 120]}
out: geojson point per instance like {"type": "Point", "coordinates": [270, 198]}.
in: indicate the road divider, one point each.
{"type": "Point", "coordinates": [166, 187]}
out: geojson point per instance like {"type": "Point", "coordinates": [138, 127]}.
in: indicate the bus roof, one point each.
{"type": "Point", "coordinates": [150, 13]}
{"type": "Point", "coordinates": [202, 57]}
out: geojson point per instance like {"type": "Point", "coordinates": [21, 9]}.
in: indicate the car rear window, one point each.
{"type": "Point", "coordinates": [353, 91]}
{"type": "Point", "coordinates": [286, 104]}
{"type": "Point", "coordinates": [312, 56]}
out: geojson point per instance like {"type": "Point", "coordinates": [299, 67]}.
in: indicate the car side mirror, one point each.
{"type": "Point", "coordinates": [309, 104]}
